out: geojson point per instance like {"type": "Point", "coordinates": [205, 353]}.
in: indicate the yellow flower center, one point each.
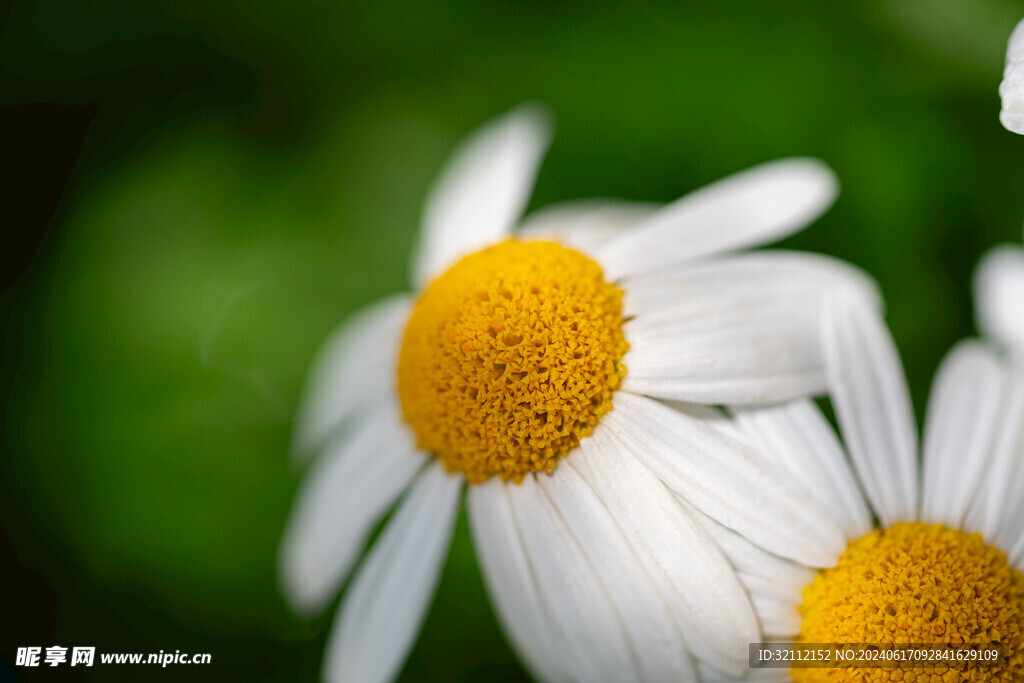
{"type": "Point", "coordinates": [510, 358]}
{"type": "Point", "coordinates": [915, 583]}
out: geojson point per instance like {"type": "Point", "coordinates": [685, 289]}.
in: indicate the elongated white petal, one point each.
{"type": "Point", "coordinates": [1012, 88]}
{"type": "Point", "coordinates": [382, 611]}
{"type": "Point", "coordinates": [585, 224]}
{"type": "Point", "coordinates": [654, 635]}
{"type": "Point", "coordinates": [963, 412]}
{"type": "Point", "coordinates": [511, 585]}
{"type": "Point", "coordinates": [1015, 46]}
{"type": "Point", "coordinates": [569, 584]}
{"type": "Point", "coordinates": [872, 403]}
{"type": "Point", "coordinates": [482, 191]}
{"type": "Point", "coordinates": [737, 347]}
{"type": "Point", "coordinates": [757, 206]}
{"type": "Point", "coordinates": [999, 296]}
{"type": "Point", "coordinates": [727, 480]}
{"type": "Point", "coordinates": [772, 582]}
{"type": "Point", "coordinates": [798, 438]}
{"type": "Point", "coordinates": [765, 275]}
{"type": "Point", "coordinates": [704, 596]}
{"type": "Point", "coordinates": [998, 510]}
{"type": "Point", "coordinates": [342, 497]}
{"type": "Point", "coordinates": [355, 366]}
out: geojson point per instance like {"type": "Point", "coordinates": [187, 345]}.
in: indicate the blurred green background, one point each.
{"type": "Point", "coordinates": [199, 192]}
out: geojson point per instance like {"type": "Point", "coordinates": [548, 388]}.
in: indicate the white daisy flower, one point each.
{"type": "Point", "coordinates": [1011, 90]}
{"type": "Point", "coordinates": [999, 296]}
{"type": "Point", "coordinates": [537, 372]}
{"type": "Point", "coordinates": [927, 553]}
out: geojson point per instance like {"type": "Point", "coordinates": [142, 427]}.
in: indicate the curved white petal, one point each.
{"type": "Point", "coordinates": [569, 584]}
{"type": "Point", "coordinates": [757, 206]}
{"type": "Point", "coordinates": [963, 412]}
{"type": "Point", "coordinates": [766, 274]}
{"type": "Point", "coordinates": [775, 585]}
{"type": "Point", "coordinates": [702, 592]}
{"type": "Point", "coordinates": [482, 191]}
{"type": "Point", "coordinates": [739, 346]}
{"type": "Point", "coordinates": [999, 295]}
{"type": "Point", "coordinates": [1011, 92]}
{"type": "Point", "coordinates": [511, 585]}
{"type": "Point", "coordinates": [382, 611]}
{"type": "Point", "coordinates": [727, 480]}
{"type": "Point", "coordinates": [1015, 46]}
{"type": "Point", "coordinates": [585, 224]}
{"type": "Point", "coordinates": [345, 493]}
{"type": "Point", "coordinates": [355, 366]}
{"type": "Point", "coordinates": [654, 635]}
{"type": "Point", "coordinates": [799, 438]}
{"type": "Point", "coordinates": [998, 510]}
{"type": "Point", "coordinates": [1012, 88]}
{"type": "Point", "coordinates": [872, 403]}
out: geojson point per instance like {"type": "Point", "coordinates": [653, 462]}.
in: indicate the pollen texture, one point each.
{"type": "Point", "coordinates": [915, 583]}
{"type": "Point", "coordinates": [510, 358]}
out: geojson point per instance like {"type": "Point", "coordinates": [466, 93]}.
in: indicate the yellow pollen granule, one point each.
{"type": "Point", "coordinates": [915, 583]}
{"type": "Point", "coordinates": [510, 358]}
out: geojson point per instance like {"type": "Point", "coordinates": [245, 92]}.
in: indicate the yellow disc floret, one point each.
{"type": "Point", "coordinates": [915, 583]}
{"type": "Point", "coordinates": [510, 358]}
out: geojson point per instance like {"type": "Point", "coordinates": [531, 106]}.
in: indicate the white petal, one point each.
{"type": "Point", "coordinates": [727, 480]}
{"type": "Point", "coordinates": [482, 191]}
{"type": "Point", "coordinates": [775, 584]}
{"type": "Point", "coordinates": [766, 274]}
{"type": "Point", "coordinates": [585, 224]}
{"type": "Point", "coordinates": [1015, 46]}
{"type": "Point", "coordinates": [382, 611]}
{"type": "Point", "coordinates": [872, 403]}
{"type": "Point", "coordinates": [963, 412]}
{"type": "Point", "coordinates": [998, 510]}
{"type": "Point", "coordinates": [757, 206]}
{"type": "Point", "coordinates": [702, 591]}
{"type": "Point", "coordinates": [1012, 88]}
{"type": "Point", "coordinates": [1011, 91]}
{"type": "Point", "coordinates": [654, 635]}
{"type": "Point", "coordinates": [999, 295]}
{"type": "Point", "coordinates": [342, 497]}
{"type": "Point", "coordinates": [511, 584]}
{"type": "Point", "coordinates": [800, 440]}
{"type": "Point", "coordinates": [568, 583]}
{"type": "Point", "coordinates": [738, 347]}
{"type": "Point", "coordinates": [356, 365]}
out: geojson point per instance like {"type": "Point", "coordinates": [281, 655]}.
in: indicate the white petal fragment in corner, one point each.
{"type": "Point", "coordinates": [701, 589]}
{"type": "Point", "coordinates": [727, 480]}
{"type": "Point", "coordinates": [1011, 90]}
{"type": "Point", "coordinates": [482, 191]}
{"type": "Point", "coordinates": [585, 224]}
{"type": "Point", "coordinates": [757, 206]}
{"type": "Point", "coordinates": [384, 607]}
{"type": "Point", "coordinates": [961, 424]}
{"type": "Point", "coordinates": [355, 366]}
{"type": "Point", "coordinates": [999, 296]}
{"type": "Point", "coordinates": [511, 585]}
{"type": "Point", "coordinates": [872, 403]}
{"type": "Point", "coordinates": [570, 586]}
{"type": "Point", "coordinates": [345, 493]}
{"type": "Point", "coordinates": [655, 636]}
{"type": "Point", "coordinates": [740, 346]}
